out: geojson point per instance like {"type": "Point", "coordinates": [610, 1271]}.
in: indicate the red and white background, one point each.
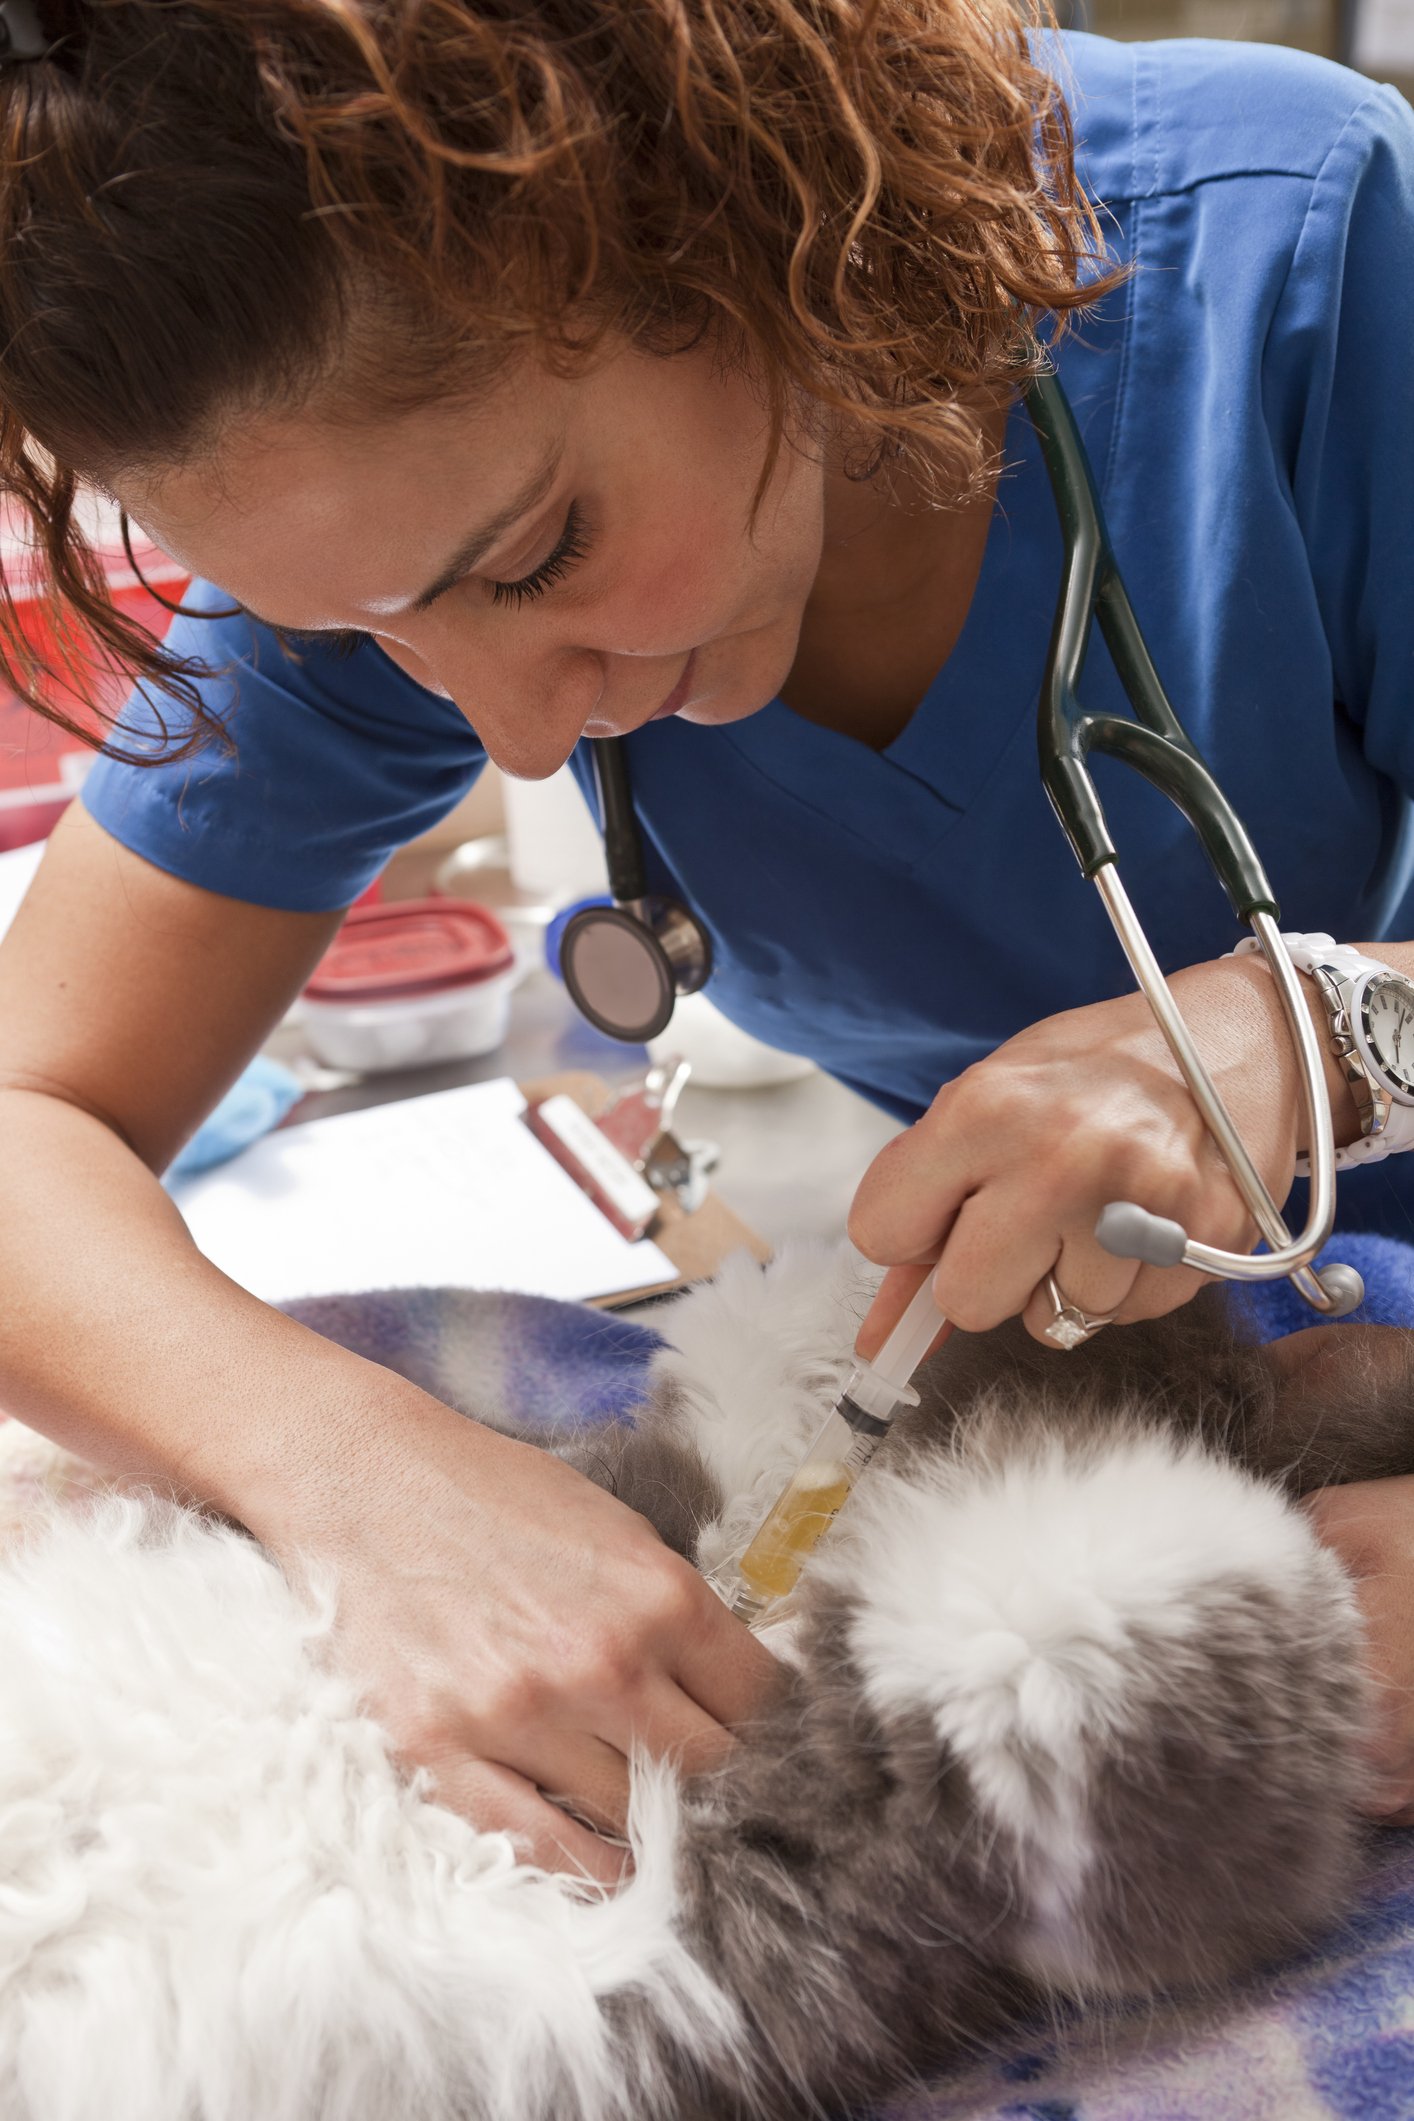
{"type": "Point", "coordinates": [42, 766]}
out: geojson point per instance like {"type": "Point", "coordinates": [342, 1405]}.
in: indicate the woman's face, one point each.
{"type": "Point", "coordinates": [562, 558]}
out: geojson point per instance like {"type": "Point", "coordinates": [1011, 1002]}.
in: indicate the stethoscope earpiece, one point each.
{"type": "Point", "coordinates": [625, 965]}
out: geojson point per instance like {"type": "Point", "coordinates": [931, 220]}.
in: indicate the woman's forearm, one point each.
{"type": "Point", "coordinates": [511, 1626]}
{"type": "Point", "coordinates": [119, 1340]}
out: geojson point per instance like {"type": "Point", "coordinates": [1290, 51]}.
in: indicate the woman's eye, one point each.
{"type": "Point", "coordinates": [573, 545]}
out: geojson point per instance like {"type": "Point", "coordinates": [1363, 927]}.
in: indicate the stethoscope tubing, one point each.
{"type": "Point", "coordinates": [1156, 746]}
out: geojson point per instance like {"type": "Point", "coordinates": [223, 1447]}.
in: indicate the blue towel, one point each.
{"type": "Point", "coordinates": [1273, 1308]}
{"type": "Point", "coordinates": [254, 1104]}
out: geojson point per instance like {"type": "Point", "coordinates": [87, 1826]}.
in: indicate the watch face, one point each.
{"type": "Point", "coordinates": [1387, 1020]}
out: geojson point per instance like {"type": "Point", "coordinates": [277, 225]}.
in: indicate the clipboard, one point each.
{"type": "Point", "coordinates": [697, 1244]}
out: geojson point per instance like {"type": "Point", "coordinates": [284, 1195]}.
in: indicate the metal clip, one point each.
{"type": "Point", "coordinates": [640, 1123]}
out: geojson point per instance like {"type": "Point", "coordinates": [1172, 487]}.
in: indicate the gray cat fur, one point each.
{"type": "Point", "coordinates": [840, 1879]}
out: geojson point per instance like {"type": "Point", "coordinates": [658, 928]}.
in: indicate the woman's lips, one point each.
{"type": "Point", "coordinates": [677, 698]}
{"type": "Point", "coordinates": [681, 692]}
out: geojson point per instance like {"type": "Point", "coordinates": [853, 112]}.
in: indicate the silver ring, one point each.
{"type": "Point", "coordinates": [1071, 1326]}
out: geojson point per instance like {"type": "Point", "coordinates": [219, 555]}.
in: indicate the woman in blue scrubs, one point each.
{"type": "Point", "coordinates": [815, 602]}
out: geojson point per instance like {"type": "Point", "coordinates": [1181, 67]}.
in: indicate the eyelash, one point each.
{"type": "Point", "coordinates": [573, 546]}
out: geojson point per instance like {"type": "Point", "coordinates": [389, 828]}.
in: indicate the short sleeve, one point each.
{"type": "Point", "coordinates": [1341, 406]}
{"type": "Point", "coordinates": [336, 760]}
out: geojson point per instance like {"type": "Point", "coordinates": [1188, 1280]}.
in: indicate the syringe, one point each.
{"type": "Point", "coordinates": [825, 1477]}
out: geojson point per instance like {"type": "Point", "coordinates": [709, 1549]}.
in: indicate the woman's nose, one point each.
{"type": "Point", "coordinates": [529, 710]}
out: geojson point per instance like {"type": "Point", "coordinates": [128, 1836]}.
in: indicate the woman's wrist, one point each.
{"type": "Point", "coordinates": [333, 1438]}
{"type": "Point", "coordinates": [1340, 1098]}
{"type": "Point", "coordinates": [1340, 1102]}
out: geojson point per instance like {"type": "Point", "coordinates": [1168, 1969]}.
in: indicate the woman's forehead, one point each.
{"type": "Point", "coordinates": [369, 512]}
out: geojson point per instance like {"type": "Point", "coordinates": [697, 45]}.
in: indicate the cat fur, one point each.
{"type": "Point", "coordinates": [1071, 1705]}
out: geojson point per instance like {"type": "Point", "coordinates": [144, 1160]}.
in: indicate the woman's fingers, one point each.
{"type": "Point", "coordinates": [994, 1256]}
{"type": "Point", "coordinates": [725, 1677]}
{"type": "Point", "coordinates": [1088, 1279]}
{"type": "Point", "coordinates": [896, 1292]}
{"type": "Point", "coordinates": [1159, 1290]}
{"type": "Point", "coordinates": [582, 1771]}
{"type": "Point", "coordinates": [676, 1729]}
{"type": "Point", "coordinates": [498, 1800]}
{"type": "Point", "coordinates": [995, 1266]}
{"type": "Point", "coordinates": [592, 1774]}
{"type": "Point", "coordinates": [904, 1205]}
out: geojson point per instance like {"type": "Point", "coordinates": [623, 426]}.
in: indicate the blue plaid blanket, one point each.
{"type": "Point", "coordinates": [1327, 2037]}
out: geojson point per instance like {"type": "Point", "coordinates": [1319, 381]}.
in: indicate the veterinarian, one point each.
{"type": "Point", "coordinates": [537, 373]}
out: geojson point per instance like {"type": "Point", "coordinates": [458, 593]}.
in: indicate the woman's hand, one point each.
{"type": "Point", "coordinates": [1370, 1525]}
{"type": "Point", "coordinates": [518, 1631]}
{"type": "Point", "coordinates": [1003, 1179]}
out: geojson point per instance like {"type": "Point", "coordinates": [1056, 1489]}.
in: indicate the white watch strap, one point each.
{"type": "Point", "coordinates": [1306, 952]}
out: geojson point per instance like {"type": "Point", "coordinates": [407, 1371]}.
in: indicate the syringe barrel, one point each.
{"type": "Point", "coordinates": [804, 1512]}
{"type": "Point", "coordinates": [821, 1483]}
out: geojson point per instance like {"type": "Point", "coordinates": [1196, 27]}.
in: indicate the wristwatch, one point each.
{"type": "Point", "coordinates": [1370, 1007]}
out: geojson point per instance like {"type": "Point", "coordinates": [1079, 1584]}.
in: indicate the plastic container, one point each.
{"type": "Point", "coordinates": [410, 983]}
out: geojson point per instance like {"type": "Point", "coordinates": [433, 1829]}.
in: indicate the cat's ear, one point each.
{"type": "Point", "coordinates": [1344, 1405]}
{"type": "Point", "coordinates": [1329, 1361]}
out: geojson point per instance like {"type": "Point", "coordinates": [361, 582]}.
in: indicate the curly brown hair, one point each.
{"type": "Point", "coordinates": [211, 209]}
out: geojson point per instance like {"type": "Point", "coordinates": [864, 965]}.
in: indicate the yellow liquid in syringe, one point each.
{"type": "Point", "coordinates": [790, 1533]}
{"type": "Point", "coordinates": [824, 1480]}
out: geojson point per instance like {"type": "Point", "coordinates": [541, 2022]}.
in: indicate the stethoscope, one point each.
{"type": "Point", "coordinates": [625, 964]}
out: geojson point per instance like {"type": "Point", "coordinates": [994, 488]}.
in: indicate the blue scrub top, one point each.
{"type": "Point", "coordinates": [1248, 405]}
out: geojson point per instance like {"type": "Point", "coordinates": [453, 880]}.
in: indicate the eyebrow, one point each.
{"type": "Point", "coordinates": [472, 548]}
{"type": "Point", "coordinates": [480, 542]}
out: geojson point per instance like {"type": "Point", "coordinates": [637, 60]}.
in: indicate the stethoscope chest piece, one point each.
{"type": "Point", "coordinates": [625, 965]}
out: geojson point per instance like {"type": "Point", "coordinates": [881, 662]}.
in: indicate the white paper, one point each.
{"type": "Point", "coordinates": [451, 1188]}
{"type": "Point", "coordinates": [17, 868]}
{"type": "Point", "coordinates": [1384, 36]}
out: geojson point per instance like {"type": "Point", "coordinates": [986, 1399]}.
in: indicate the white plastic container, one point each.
{"type": "Point", "coordinates": [408, 984]}
{"type": "Point", "coordinates": [555, 849]}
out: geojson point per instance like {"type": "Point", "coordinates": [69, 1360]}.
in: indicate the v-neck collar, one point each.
{"type": "Point", "coordinates": [901, 800]}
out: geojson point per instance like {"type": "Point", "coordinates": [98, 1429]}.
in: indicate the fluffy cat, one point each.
{"type": "Point", "coordinates": [1071, 1703]}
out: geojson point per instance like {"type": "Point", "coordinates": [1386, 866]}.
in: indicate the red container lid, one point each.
{"type": "Point", "coordinates": [409, 947]}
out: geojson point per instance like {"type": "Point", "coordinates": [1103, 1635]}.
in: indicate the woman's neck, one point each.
{"type": "Point", "coordinates": [890, 600]}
